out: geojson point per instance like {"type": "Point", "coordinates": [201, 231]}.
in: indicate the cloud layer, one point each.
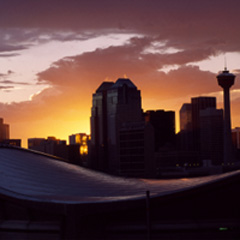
{"type": "Point", "coordinates": [168, 33]}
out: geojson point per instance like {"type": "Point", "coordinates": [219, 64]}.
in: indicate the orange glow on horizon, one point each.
{"type": "Point", "coordinates": [69, 113]}
{"type": "Point", "coordinates": [45, 128]}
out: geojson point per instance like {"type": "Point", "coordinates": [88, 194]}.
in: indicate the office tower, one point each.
{"type": "Point", "coordinates": [236, 137]}
{"type": "Point", "coordinates": [4, 130]}
{"type": "Point", "coordinates": [136, 150]}
{"type": "Point", "coordinates": [198, 104]}
{"type": "Point", "coordinates": [186, 117]}
{"type": "Point", "coordinates": [163, 123]}
{"type": "Point", "coordinates": [117, 112]}
{"type": "Point", "coordinates": [226, 80]}
{"type": "Point", "coordinates": [123, 105]}
{"type": "Point", "coordinates": [186, 133]}
{"type": "Point", "coordinates": [98, 152]}
{"type": "Point", "coordinates": [190, 121]}
{"type": "Point", "coordinates": [211, 135]}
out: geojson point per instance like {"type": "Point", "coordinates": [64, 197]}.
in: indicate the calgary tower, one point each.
{"type": "Point", "coordinates": [226, 80]}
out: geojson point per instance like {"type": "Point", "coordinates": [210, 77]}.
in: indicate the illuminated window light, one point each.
{"type": "Point", "coordinates": [78, 139]}
{"type": "Point", "coordinates": [83, 150]}
{"type": "Point", "coordinates": [84, 139]}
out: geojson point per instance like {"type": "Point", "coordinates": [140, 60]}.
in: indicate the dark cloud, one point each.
{"type": "Point", "coordinates": [13, 40]}
{"type": "Point", "coordinates": [13, 82]}
{"type": "Point", "coordinates": [193, 26]}
{"type": "Point", "coordinates": [113, 62]}
{"type": "Point", "coordinates": [9, 55]}
{"type": "Point", "coordinates": [4, 75]}
{"type": "Point", "coordinates": [196, 30]}
{"type": "Point", "coordinates": [188, 21]}
{"type": "Point", "coordinates": [9, 48]}
{"type": "Point", "coordinates": [6, 87]}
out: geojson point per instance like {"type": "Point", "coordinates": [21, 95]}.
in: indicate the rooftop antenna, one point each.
{"type": "Point", "coordinates": [225, 62]}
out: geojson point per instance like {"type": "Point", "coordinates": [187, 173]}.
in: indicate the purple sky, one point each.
{"type": "Point", "coordinates": [55, 53]}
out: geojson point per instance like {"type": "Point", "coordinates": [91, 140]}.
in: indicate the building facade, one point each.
{"type": "Point", "coordinates": [78, 148]}
{"type": "Point", "coordinates": [116, 115]}
{"type": "Point", "coordinates": [211, 135]}
{"type": "Point", "coordinates": [98, 152]}
{"type": "Point", "coordinates": [198, 104]}
{"type": "Point", "coordinates": [236, 137]}
{"type": "Point", "coordinates": [163, 123]}
{"type": "Point", "coordinates": [201, 130]}
{"type": "Point", "coordinates": [51, 146]}
{"type": "Point", "coordinates": [4, 130]}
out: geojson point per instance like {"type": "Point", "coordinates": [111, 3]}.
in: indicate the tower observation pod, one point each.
{"type": "Point", "coordinates": [226, 80]}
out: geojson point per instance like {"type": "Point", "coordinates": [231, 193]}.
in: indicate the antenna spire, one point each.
{"type": "Point", "coordinates": [225, 62]}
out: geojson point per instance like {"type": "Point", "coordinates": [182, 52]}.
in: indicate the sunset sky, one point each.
{"type": "Point", "coordinates": [54, 54]}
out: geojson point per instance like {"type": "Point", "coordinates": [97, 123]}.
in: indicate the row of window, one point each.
{"type": "Point", "coordinates": [130, 144]}
{"type": "Point", "coordinates": [131, 166]}
{"type": "Point", "coordinates": [132, 151]}
{"type": "Point", "coordinates": [131, 136]}
{"type": "Point", "coordinates": [131, 159]}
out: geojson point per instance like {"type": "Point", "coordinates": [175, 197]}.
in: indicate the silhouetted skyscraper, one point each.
{"type": "Point", "coordinates": [116, 123]}
{"type": "Point", "coordinates": [123, 105]}
{"type": "Point", "coordinates": [226, 80]}
{"type": "Point", "coordinates": [236, 137]}
{"type": "Point", "coordinates": [198, 104]}
{"type": "Point", "coordinates": [186, 131]}
{"type": "Point", "coordinates": [211, 135]}
{"type": "Point", "coordinates": [190, 121]}
{"type": "Point", "coordinates": [186, 117]}
{"type": "Point", "coordinates": [4, 130]}
{"type": "Point", "coordinates": [98, 152]}
{"type": "Point", "coordinates": [163, 123]}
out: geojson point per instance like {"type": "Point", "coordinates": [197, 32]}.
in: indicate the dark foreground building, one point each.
{"type": "Point", "coordinates": [42, 198]}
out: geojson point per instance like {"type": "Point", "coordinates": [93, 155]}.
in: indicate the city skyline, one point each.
{"type": "Point", "coordinates": [53, 55]}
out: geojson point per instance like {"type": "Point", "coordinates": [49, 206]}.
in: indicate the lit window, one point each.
{"type": "Point", "coordinates": [83, 150]}
{"type": "Point", "coordinates": [78, 139]}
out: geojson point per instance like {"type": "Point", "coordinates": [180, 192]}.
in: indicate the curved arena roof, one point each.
{"type": "Point", "coordinates": [28, 175]}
